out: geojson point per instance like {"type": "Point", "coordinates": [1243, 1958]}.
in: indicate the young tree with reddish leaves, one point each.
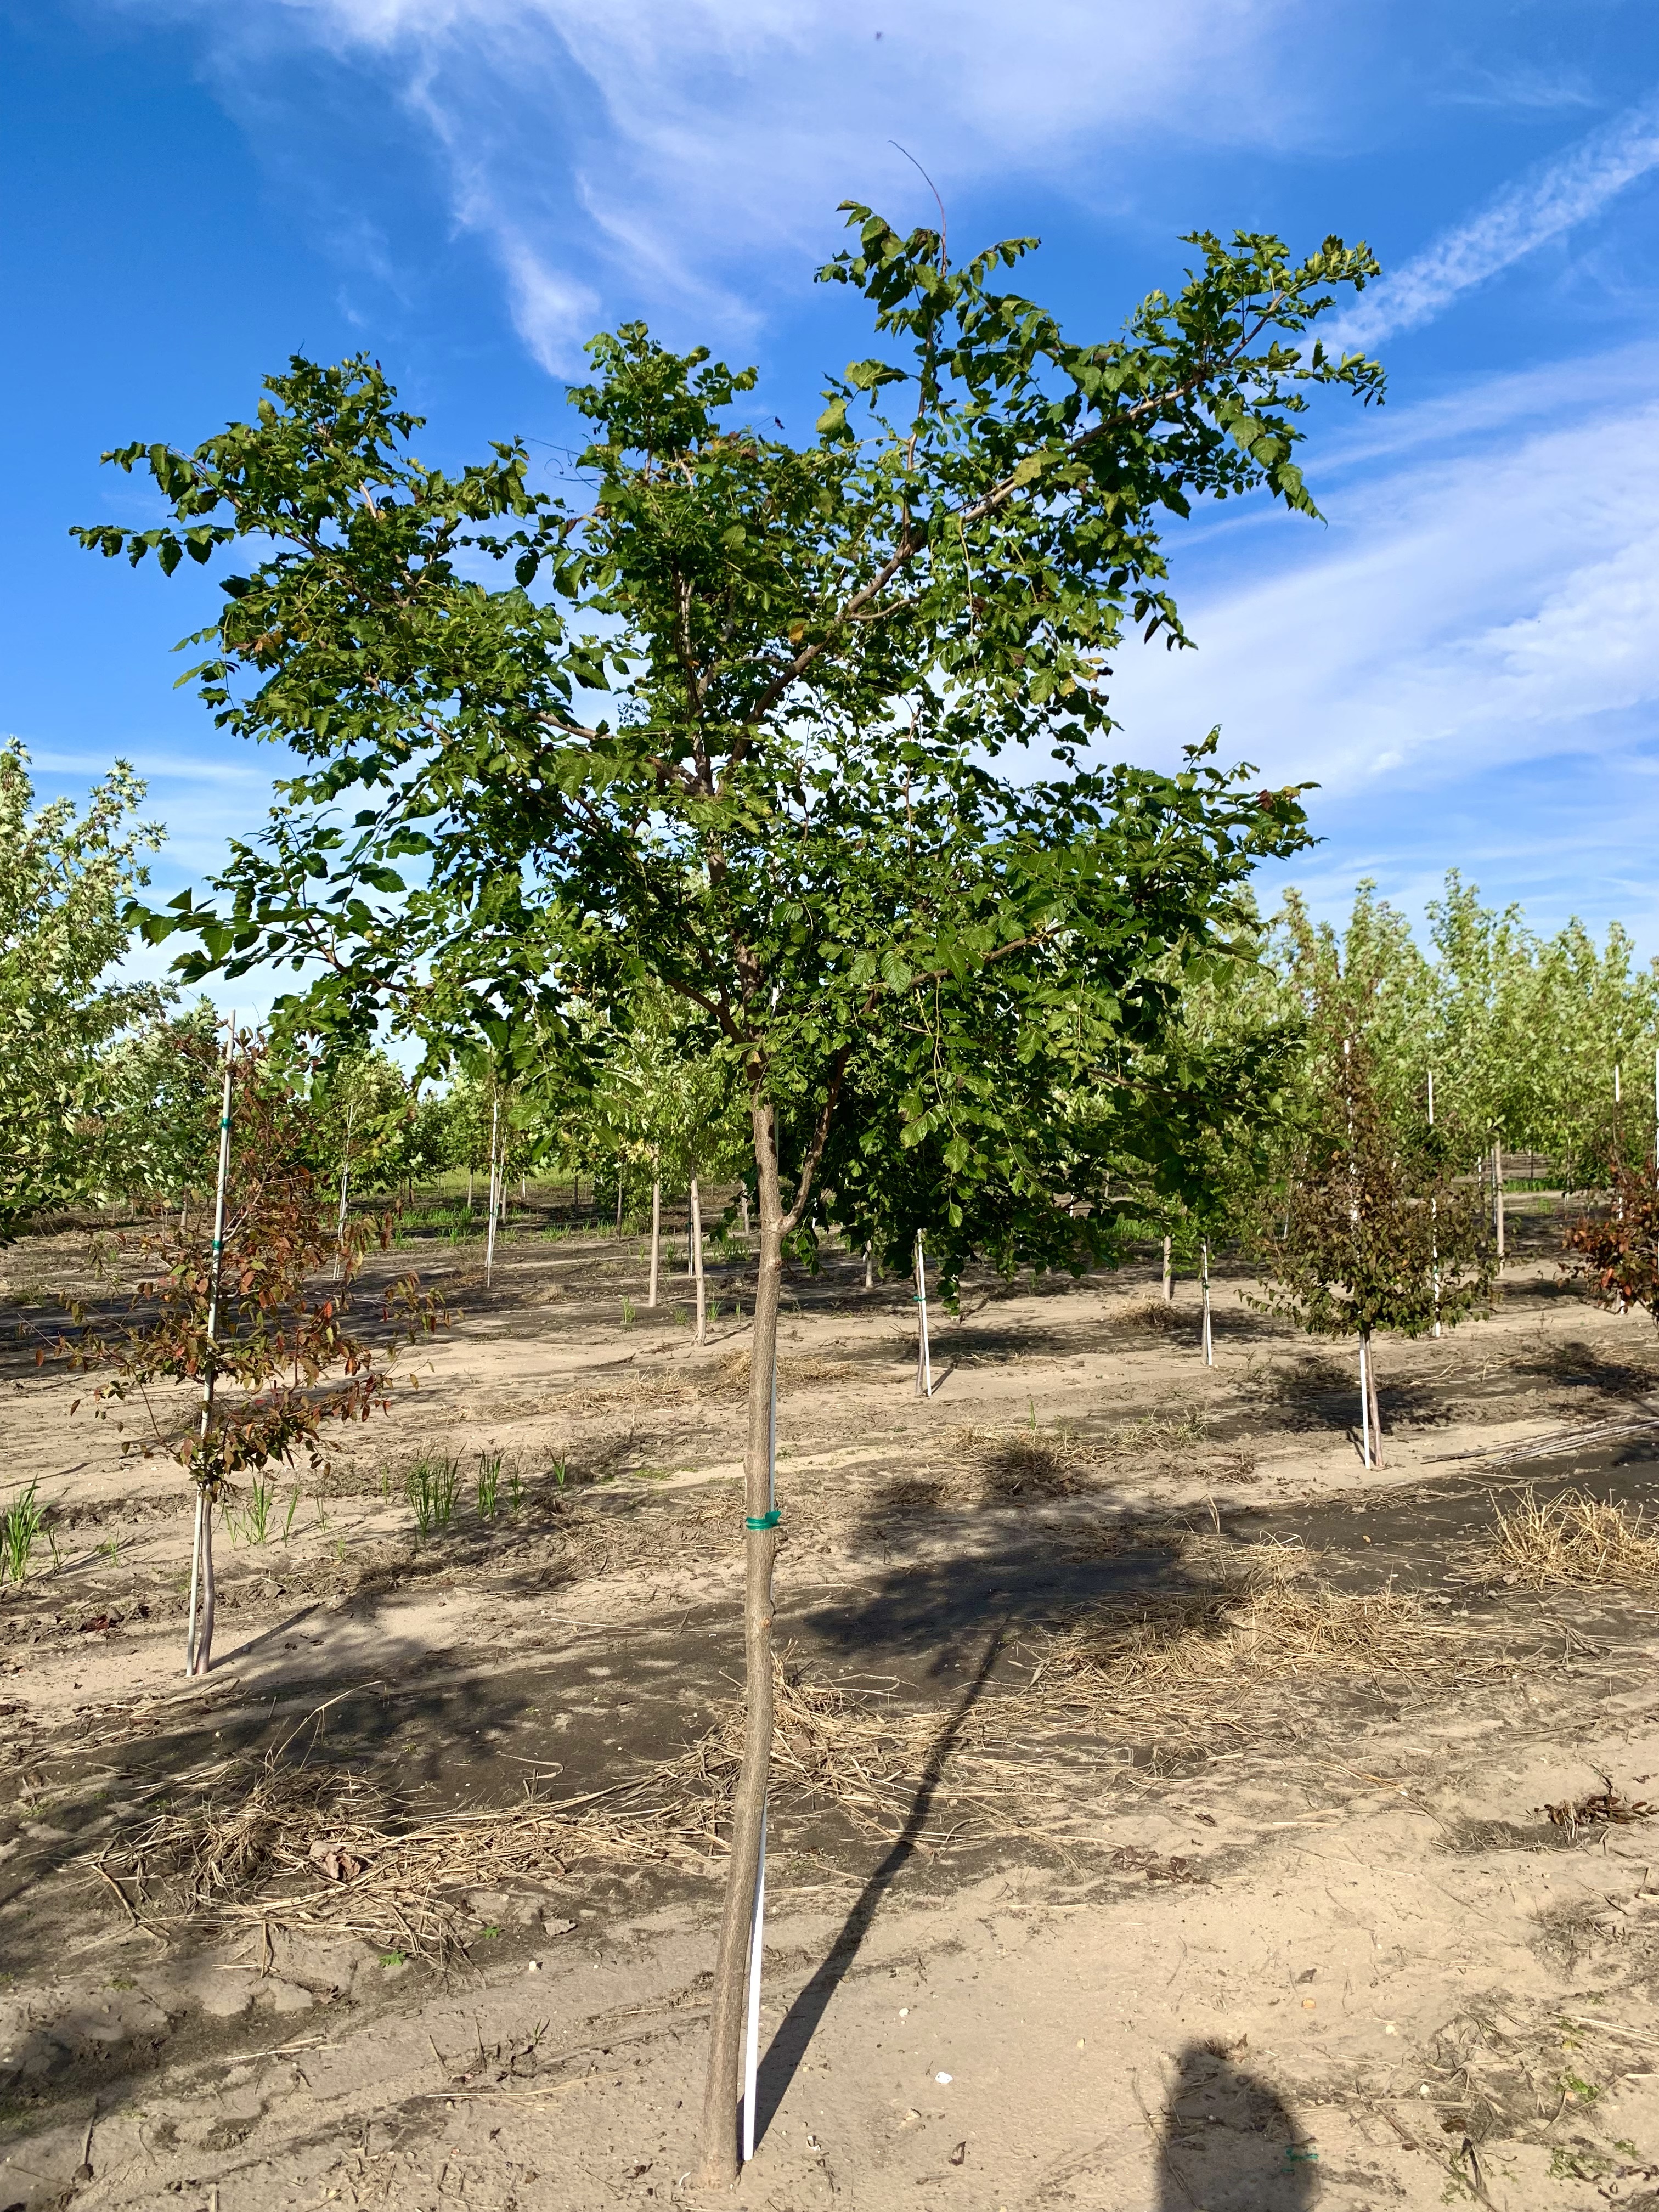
{"type": "Point", "coordinates": [1374, 1227]}
{"type": "Point", "coordinates": [1615, 1255]}
{"type": "Point", "coordinates": [255, 1317]}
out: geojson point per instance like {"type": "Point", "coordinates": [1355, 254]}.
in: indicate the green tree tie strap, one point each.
{"type": "Point", "coordinates": [764, 1519]}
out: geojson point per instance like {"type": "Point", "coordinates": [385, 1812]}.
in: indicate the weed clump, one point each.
{"type": "Point", "coordinates": [433, 1487]}
{"type": "Point", "coordinates": [22, 1525]}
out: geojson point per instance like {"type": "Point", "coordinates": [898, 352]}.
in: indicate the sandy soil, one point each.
{"type": "Point", "coordinates": [1242, 1927]}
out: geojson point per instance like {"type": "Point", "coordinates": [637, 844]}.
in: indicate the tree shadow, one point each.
{"type": "Point", "coordinates": [1228, 2141]}
{"type": "Point", "coordinates": [794, 2033]}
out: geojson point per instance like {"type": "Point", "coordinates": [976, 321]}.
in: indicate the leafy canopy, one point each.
{"type": "Point", "coordinates": [734, 725]}
{"type": "Point", "coordinates": [66, 876]}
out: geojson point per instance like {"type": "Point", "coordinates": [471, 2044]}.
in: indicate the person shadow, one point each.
{"type": "Point", "coordinates": [795, 2031]}
{"type": "Point", "coordinates": [1228, 2141]}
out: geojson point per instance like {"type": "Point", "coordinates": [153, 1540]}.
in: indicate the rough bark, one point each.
{"type": "Point", "coordinates": [720, 2117]}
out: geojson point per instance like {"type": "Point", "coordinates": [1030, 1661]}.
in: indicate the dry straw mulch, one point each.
{"type": "Point", "coordinates": [1031, 1462]}
{"type": "Point", "coordinates": [1574, 1539]}
{"type": "Point", "coordinates": [283, 1843]}
{"type": "Point", "coordinates": [1252, 1618]}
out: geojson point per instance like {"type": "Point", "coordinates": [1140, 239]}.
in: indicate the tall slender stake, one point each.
{"type": "Point", "coordinates": [1209, 1341]}
{"type": "Point", "coordinates": [345, 1185]}
{"type": "Point", "coordinates": [656, 1237]}
{"type": "Point", "coordinates": [198, 1638]}
{"type": "Point", "coordinates": [696, 1254]}
{"type": "Point", "coordinates": [1169, 1276]}
{"type": "Point", "coordinates": [1364, 1404]}
{"type": "Point", "coordinates": [758, 1924]}
{"type": "Point", "coordinates": [1434, 1232]}
{"type": "Point", "coordinates": [752, 2028]}
{"type": "Point", "coordinates": [924, 1356]}
{"type": "Point", "coordinates": [1498, 1195]}
{"type": "Point", "coordinates": [490, 1240]}
{"type": "Point", "coordinates": [723, 2095]}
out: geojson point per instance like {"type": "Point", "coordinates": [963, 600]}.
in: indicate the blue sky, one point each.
{"type": "Point", "coordinates": [1466, 655]}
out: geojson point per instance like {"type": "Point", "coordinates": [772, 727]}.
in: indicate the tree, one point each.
{"type": "Point", "coordinates": [1378, 1230]}
{"type": "Point", "coordinates": [247, 1312]}
{"type": "Point", "coordinates": [743, 746]}
{"type": "Point", "coordinates": [66, 878]}
{"type": "Point", "coordinates": [1614, 1256]}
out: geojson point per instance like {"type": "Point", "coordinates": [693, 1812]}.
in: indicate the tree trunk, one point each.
{"type": "Point", "coordinates": [719, 2113]}
{"type": "Point", "coordinates": [469, 1190]}
{"type": "Point", "coordinates": [619, 1200]}
{"type": "Point", "coordinates": [656, 1240]}
{"type": "Point", "coordinates": [1370, 1391]}
{"type": "Point", "coordinates": [870, 1265]}
{"type": "Point", "coordinates": [1498, 1196]}
{"type": "Point", "coordinates": [743, 1208]}
{"type": "Point", "coordinates": [1169, 1276]}
{"type": "Point", "coordinates": [696, 1254]}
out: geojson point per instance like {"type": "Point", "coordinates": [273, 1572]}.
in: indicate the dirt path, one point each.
{"type": "Point", "coordinates": [1160, 1820]}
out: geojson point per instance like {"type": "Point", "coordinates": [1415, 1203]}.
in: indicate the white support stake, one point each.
{"type": "Point", "coordinates": [1209, 1341]}
{"type": "Point", "coordinates": [696, 1254]}
{"type": "Point", "coordinates": [751, 2037]}
{"type": "Point", "coordinates": [198, 1638]}
{"type": "Point", "coordinates": [924, 1355]}
{"type": "Point", "coordinates": [1434, 1218]}
{"type": "Point", "coordinates": [345, 1185]}
{"type": "Point", "coordinates": [757, 1926]}
{"type": "Point", "coordinates": [489, 1242]}
{"type": "Point", "coordinates": [1365, 1405]}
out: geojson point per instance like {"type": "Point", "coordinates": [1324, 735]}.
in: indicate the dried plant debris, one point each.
{"type": "Point", "coordinates": [1029, 1462]}
{"type": "Point", "coordinates": [795, 1372]}
{"type": "Point", "coordinates": [1154, 1313]}
{"type": "Point", "coordinates": [1574, 1539]}
{"type": "Point", "coordinates": [284, 1843]}
{"type": "Point", "coordinates": [1248, 1615]}
{"type": "Point", "coordinates": [830, 1744]}
{"type": "Point", "coordinates": [1605, 1808]}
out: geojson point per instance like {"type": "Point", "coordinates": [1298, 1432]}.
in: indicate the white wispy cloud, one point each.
{"type": "Point", "coordinates": [1463, 613]}
{"type": "Point", "coordinates": [1525, 216]}
{"type": "Point", "coordinates": [693, 153]}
